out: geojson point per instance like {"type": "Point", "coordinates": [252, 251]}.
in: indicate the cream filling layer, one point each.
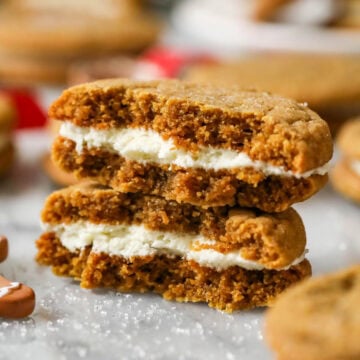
{"type": "Point", "coordinates": [147, 146]}
{"type": "Point", "coordinates": [355, 166]}
{"type": "Point", "coordinates": [135, 240]}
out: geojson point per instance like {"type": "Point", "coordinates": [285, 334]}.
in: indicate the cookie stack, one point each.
{"type": "Point", "coordinates": [318, 319]}
{"type": "Point", "coordinates": [190, 194]}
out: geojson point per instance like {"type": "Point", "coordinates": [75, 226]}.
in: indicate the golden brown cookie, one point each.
{"type": "Point", "coordinates": [346, 181]}
{"type": "Point", "coordinates": [55, 34]}
{"type": "Point", "coordinates": [350, 17]}
{"type": "Point", "coordinates": [334, 92]}
{"type": "Point", "coordinates": [345, 176]}
{"type": "Point", "coordinates": [265, 9]}
{"type": "Point", "coordinates": [205, 145]}
{"type": "Point", "coordinates": [318, 319]}
{"type": "Point", "coordinates": [348, 139]}
{"type": "Point", "coordinates": [72, 35]}
{"type": "Point", "coordinates": [240, 258]}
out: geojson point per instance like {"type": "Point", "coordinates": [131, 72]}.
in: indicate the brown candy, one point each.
{"type": "Point", "coordinates": [4, 248]}
{"type": "Point", "coordinates": [16, 300]}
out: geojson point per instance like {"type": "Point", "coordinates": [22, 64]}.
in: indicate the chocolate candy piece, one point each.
{"type": "Point", "coordinates": [16, 300]}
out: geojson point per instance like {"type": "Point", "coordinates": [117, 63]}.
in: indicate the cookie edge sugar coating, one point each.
{"type": "Point", "coordinates": [191, 185]}
{"type": "Point", "coordinates": [266, 127]}
{"type": "Point", "coordinates": [348, 139]}
{"type": "Point", "coordinates": [345, 181]}
{"type": "Point", "coordinates": [175, 279]}
{"type": "Point", "coordinates": [306, 321]}
{"type": "Point", "coordinates": [272, 240]}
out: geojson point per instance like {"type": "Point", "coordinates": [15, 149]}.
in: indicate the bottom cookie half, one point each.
{"type": "Point", "coordinates": [174, 278]}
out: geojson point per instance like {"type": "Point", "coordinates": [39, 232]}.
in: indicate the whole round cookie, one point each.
{"type": "Point", "coordinates": [30, 70]}
{"type": "Point", "coordinates": [348, 139]}
{"type": "Point", "coordinates": [345, 176]}
{"type": "Point", "coordinates": [346, 181]}
{"type": "Point", "coordinates": [55, 34]}
{"type": "Point", "coordinates": [330, 84]}
{"type": "Point", "coordinates": [318, 319]}
{"type": "Point", "coordinates": [71, 35]}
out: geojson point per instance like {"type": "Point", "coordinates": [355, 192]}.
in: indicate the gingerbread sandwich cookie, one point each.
{"type": "Point", "coordinates": [318, 319]}
{"type": "Point", "coordinates": [345, 177]}
{"type": "Point", "coordinates": [16, 299]}
{"type": "Point", "coordinates": [203, 145]}
{"type": "Point", "coordinates": [135, 242]}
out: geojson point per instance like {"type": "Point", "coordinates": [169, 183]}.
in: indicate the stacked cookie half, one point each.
{"type": "Point", "coordinates": [190, 194]}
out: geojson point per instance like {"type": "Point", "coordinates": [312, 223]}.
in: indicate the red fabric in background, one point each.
{"type": "Point", "coordinates": [171, 61]}
{"type": "Point", "coordinates": [30, 113]}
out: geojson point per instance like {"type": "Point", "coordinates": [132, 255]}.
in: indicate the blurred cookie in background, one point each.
{"type": "Point", "coordinates": [350, 17]}
{"type": "Point", "coordinates": [297, 11]}
{"type": "Point", "coordinates": [31, 70]}
{"type": "Point", "coordinates": [7, 123]}
{"type": "Point", "coordinates": [42, 38]}
{"type": "Point", "coordinates": [317, 319]}
{"type": "Point", "coordinates": [330, 84]}
{"type": "Point", "coordinates": [345, 177]}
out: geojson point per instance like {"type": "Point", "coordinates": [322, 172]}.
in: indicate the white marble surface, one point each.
{"type": "Point", "coordinates": [72, 323]}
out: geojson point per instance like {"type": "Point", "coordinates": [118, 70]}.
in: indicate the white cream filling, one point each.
{"type": "Point", "coordinates": [355, 166]}
{"type": "Point", "coordinates": [135, 240]}
{"type": "Point", "coordinates": [148, 146]}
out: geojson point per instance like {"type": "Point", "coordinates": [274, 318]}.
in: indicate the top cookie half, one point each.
{"type": "Point", "coordinates": [183, 125]}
